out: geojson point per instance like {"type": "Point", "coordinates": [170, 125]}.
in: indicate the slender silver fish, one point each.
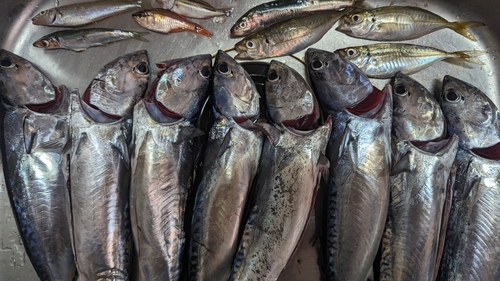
{"type": "Point", "coordinates": [163, 160]}
{"type": "Point", "coordinates": [101, 129]}
{"type": "Point", "coordinates": [360, 155]}
{"type": "Point", "coordinates": [472, 245]}
{"type": "Point", "coordinates": [35, 131]}
{"type": "Point", "coordinates": [82, 39]}
{"type": "Point", "coordinates": [198, 9]}
{"type": "Point", "coordinates": [229, 166]}
{"type": "Point", "coordinates": [79, 14]}
{"type": "Point", "coordinates": [291, 167]}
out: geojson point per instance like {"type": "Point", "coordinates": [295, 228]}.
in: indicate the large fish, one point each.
{"type": "Point", "coordinates": [291, 167]}
{"type": "Point", "coordinates": [359, 151]}
{"type": "Point", "coordinates": [472, 245]}
{"type": "Point", "coordinates": [75, 15]}
{"type": "Point", "coordinates": [229, 166]}
{"type": "Point", "coordinates": [270, 13]}
{"type": "Point", "coordinates": [384, 60]}
{"type": "Point", "coordinates": [34, 135]}
{"type": "Point", "coordinates": [398, 23]}
{"type": "Point", "coordinates": [421, 180]}
{"type": "Point", "coordinates": [101, 129]}
{"type": "Point", "coordinates": [163, 160]}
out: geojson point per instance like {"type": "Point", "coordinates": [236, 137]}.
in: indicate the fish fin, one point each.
{"type": "Point", "coordinates": [187, 133]}
{"type": "Point", "coordinates": [54, 145]}
{"type": "Point", "coordinates": [402, 166]}
{"type": "Point", "coordinates": [138, 36]}
{"type": "Point", "coordinates": [122, 147]}
{"type": "Point", "coordinates": [324, 167]}
{"type": "Point", "coordinates": [470, 56]}
{"type": "Point", "coordinates": [460, 27]}
{"type": "Point", "coordinates": [226, 143]}
{"type": "Point", "coordinates": [30, 133]}
{"type": "Point", "coordinates": [168, 63]}
{"type": "Point", "coordinates": [271, 132]}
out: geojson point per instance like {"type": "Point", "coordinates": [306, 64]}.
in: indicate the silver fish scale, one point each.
{"type": "Point", "coordinates": [36, 182]}
{"type": "Point", "coordinates": [286, 187]}
{"type": "Point", "coordinates": [358, 199]}
{"type": "Point", "coordinates": [99, 196]}
{"type": "Point", "coordinates": [231, 161]}
{"type": "Point", "coordinates": [418, 190]}
{"type": "Point", "coordinates": [162, 169]}
{"type": "Point", "coordinates": [472, 247]}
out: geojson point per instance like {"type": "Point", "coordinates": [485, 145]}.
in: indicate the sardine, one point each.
{"type": "Point", "coordinates": [163, 160]}
{"type": "Point", "coordinates": [290, 170]}
{"type": "Point", "coordinates": [199, 9]}
{"type": "Point", "coordinates": [287, 37]}
{"type": "Point", "coordinates": [472, 245]}
{"type": "Point", "coordinates": [229, 166]}
{"type": "Point", "coordinates": [270, 13]}
{"type": "Point", "coordinates": [359, 151]}
{"type": "Point", "coordinates": [34, 137]}
{"type": "Point", "coordinates": [417, 115]}
{"type": "Point", "coordinates": [79, 14]}
{"type": "Point", "coordinates": [82, 39]}
{"type": "Point", "coordinates": [163, 21]}
{"type": "Point", "coordinates": [384, 60]}
{"type": "Point", "coordinates": [101, 128]}
{"type": "Point", "coordinates": [398, 23]}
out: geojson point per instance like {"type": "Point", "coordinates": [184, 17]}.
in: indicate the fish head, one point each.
{"type": "Point", "coordinates": [290, 100]}
{"type": "Point", "coordinates": [235, 94]}
{"type": "Point", "coordinates": [166, 4]}
{"type": "Point", "coordinates": [120, 84]}
{"type": "Point", "coordinates": [45, 17]}
{"type": "Point", "coordinates": [47, 42]}
{"type": "Point", "coordinates": [417, 115]}
{"type": "Point", "coordinates": [182, 87]}
{"type": "Point", "coordinates": [144, 18]}
{"type": "Point", "coordinates": [245, 25]}
{"type": "Point", "coordinates": [338, 83]}
{"type": "Point", "coordinates": [24, 83]}
{"type": "Point", "coordinates": [470, 114]}
{"type": "Point", "coordinates": [357, 55]}
{"type": "Point", "coordinates": [250, 47]}
{"type": "Point", "coordinates": [356, 24]}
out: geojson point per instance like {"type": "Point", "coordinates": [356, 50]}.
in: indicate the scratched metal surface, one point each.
{"type": "Point", "coordinates": [77, 69]}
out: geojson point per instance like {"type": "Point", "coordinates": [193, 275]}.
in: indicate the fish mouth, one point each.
{"type": "Point", "coordinates": [242, 52]}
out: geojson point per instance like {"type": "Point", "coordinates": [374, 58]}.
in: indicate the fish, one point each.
{"type": "Point", "coordinates": [270, 13]}
{"type": "Point", "coordinates": [399, 23]}
{"type": "Point", "coordinates": [472, 246]}
{"type": "Point", "coordinates": [82, 39]}
{"type": "Point", "coordinates": [287, 37]}
{"type": "Point", "coordinates": [359, 151]}
{"type": "Point", "coordinates": [162, 165]}
{"type": "Point", "coordinates": [163, 21]}
{"type": "Point", "coordinates": [199, 9]}
{"type": "Point", "coordinates": [80, 14]}
{"type": "Point", "coordinates": [290, 171]}
{"type": "Point", "coordinates": [384, 60]}
{"type": "Point", "coordinates": [417, 115]}
{"type": "Point", "coordinates": [101, 132]}
{"type": "Point", "coordinates": [34, 137]}
{"type": "Point", "coordinates": [230, 163]}
{"type": "Point", "coordinates": [166, 4]}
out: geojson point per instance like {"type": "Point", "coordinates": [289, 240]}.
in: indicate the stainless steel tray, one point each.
{"type": "Point", "coordinates": [77, 69]}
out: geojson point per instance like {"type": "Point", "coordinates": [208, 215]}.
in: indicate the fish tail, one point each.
{"type": "Point", "coordinates": [138, 36]}
{"type": "Point", "coordinates": [460, 27]}
{"type": "Point", "coordinates": [470, 56]}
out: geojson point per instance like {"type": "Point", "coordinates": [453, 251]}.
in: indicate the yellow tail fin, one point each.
{"type": "Point", "coordinates": [470, 56]}
{"type": "Point", "coordinates": [460, 27]}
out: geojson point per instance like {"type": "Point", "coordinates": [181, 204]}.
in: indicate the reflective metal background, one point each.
{"type": "Point", "coordinates": [77, 69]}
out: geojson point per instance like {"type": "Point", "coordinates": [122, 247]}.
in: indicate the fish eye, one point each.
{"type": "Point", "coordinates": [223, 68]}
{"type": "Point", "coordinates": [250, 44]}
{"type": "Point", "coordinates": [7, 63]}
{"type": "Point", "coordinates": [45, 43]}
{"type": "Point", "coordinates": [351, 52]}
{"type": "Point", "coordinates": [400, 90]}
{"type": "Point", "coordinates": [356, 18]}
{"type": "Point", "coordinates": [317, 65]}
{"type": "Point", "coordinates": [205, 72]}
{"type": "Point", "coordinates": [42, 12]}
{"type": "Point", "coordinates": [243, 24]}
{"type": "Point", "coordinates": [452, 96]}
{"type": "Point", "coordinates": [142, 68]}
{"type": "Point", "coordinates": [273, 76]}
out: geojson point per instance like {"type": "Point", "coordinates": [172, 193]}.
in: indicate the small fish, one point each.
{"type": "Point", "coordinates": [472, 244]}
{"type": "Point", "coordinates": [417, 115]}
{"type": "Point", "coordinates": [398, 23]}
{"type": "Point", "coordinates": [35, 133]}
{"type": "Point", "coordinates": [82, 39]}
{"type": "Point", "coordinates": [287, 37]}
{"type": "Point", "coordinates": [198, 9]}
{"type": "Point", "coordinates": [101, 132]}
{"type": "Point", "coordinates": [76, 15]}
{"type": "Point", "coordinates": [384, 60]}
{"type": "Point", "coordinates": [163, 21]}
{"type": "Point", "coordinates": [270, 13]}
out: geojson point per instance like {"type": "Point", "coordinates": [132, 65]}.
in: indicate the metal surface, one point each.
{"type": "Point", "coordinates": [77, 69]}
